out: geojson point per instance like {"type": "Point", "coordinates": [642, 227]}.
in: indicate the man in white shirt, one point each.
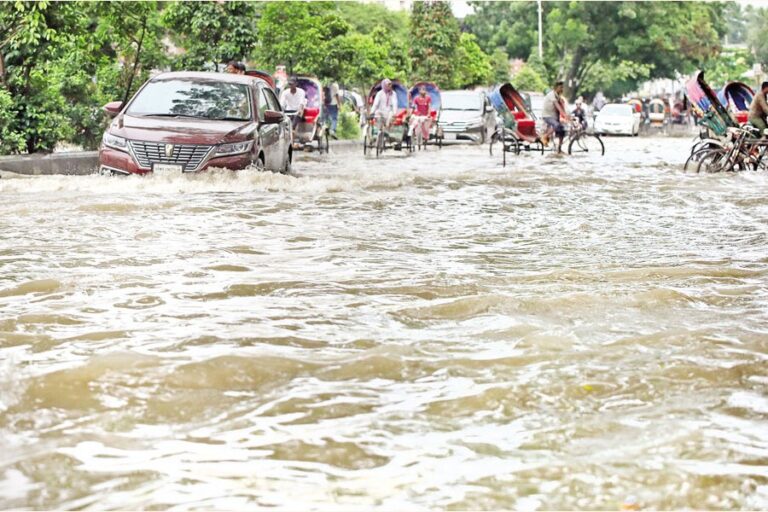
{"type": "Point", "coordinates": [294, 99]}
{"type": "Point", "coordinates": [384, 105]}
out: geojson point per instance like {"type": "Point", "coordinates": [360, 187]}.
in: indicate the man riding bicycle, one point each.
{"type": "Point", "coordinates": [294, 99]}
{"type": "Point", "coordinates": [758, 110]}
{"type": "Point", "coordinates": [422, 105]}
{"type": "Point", "coordinates": [384, 106]}
{"type": "Point", "coordinates": [553, 111]}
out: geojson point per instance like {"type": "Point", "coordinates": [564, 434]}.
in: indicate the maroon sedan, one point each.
{"type": "Point", "coordinates": [186, 122]}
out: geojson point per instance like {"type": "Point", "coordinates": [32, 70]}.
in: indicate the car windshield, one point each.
{"type": "Point", "coordinates": [617, 110]}
{"type": "Point", "coordinates": [462, 102]}
{"type": "Point", "coordinates": [204, 99]}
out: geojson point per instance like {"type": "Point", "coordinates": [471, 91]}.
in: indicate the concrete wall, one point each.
{"type": "Point", "coordinates": [83, 162]}
{"type": "Point", "coordinates": [87, 162]}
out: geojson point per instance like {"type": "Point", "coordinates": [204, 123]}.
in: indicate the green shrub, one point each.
{"type": "Point", "coordinates": [348, 127]}
{"type": "Point", "coordinates": [11, 141]}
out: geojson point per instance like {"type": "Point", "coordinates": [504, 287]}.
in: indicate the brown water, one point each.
{"type": "Point", "coordinates": [415, 333]}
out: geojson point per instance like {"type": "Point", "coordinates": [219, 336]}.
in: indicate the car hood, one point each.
{"type": "Point", "coordinates": [615, 119]}
{"type": "Point", "coordinates": [463, 116]}
{"type": "Point", "coordinates": [181, 130]}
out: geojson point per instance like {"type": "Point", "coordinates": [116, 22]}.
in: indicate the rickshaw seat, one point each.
{"type": "Point", "coordinates": [310, 114]}
{"type": "Point", "coordinates": [742, 117]}
{"type": "Point", "coordinates": [400, 117]}
{"type": "Point", "coordinates": [519, 115]}
{"type": "Point", "coordinates": [527, 127]}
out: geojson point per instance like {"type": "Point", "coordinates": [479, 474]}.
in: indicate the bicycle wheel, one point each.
{"type": "Point", "coordinates": [714, 160]}
{"type": "Point", "coordinates": [692, 163]}
{"type": "Point", "coordinates": [512, 145]}
{"type": "Point", "coordinates": [586, 143]}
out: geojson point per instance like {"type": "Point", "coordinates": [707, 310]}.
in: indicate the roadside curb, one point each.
{"type": "Point", "coordinates": [87, 162]}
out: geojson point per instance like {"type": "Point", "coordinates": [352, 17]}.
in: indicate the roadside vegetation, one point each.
{"type": "Point", "coordinates": [61, 61]}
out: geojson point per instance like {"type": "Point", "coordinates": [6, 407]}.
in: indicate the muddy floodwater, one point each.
{"type": "Point", "coordinates": [411, 333]}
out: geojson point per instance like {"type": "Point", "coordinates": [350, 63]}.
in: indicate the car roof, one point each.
{"type": "Point", "coordinates": [204, 75]}
{"type": "Point", "coordinates": [461, 91]}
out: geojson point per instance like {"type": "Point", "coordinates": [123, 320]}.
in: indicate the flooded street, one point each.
{"type": "Point", "coordinates": [414, 332]}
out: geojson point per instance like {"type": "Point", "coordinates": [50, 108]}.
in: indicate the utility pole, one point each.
{"type": "Point", "coordinates": [541, 51]}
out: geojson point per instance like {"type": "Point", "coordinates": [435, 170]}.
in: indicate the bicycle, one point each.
{"type": "Point", "coordinates": [583, 141]}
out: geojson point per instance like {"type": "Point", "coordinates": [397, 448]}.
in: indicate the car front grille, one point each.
{"type": "Point", "coordinates": [188, 156]}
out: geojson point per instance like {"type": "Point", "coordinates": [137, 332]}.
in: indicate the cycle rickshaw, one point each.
{"type": "Point", "coordinates": [435, 131]}
{"type": "Point", "coordinates": [310, 132]}
{"type": "Point", "coordinates": [396, 136]}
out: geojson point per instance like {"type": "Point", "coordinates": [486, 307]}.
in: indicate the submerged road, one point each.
{"type": "Point", "coordinates": [414, 332]}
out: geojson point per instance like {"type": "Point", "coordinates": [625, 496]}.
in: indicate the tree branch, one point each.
{"type": "Point", "coordinates": [136, 60]}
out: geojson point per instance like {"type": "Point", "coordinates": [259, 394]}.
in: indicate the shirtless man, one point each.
{"type": "Point", "coordinates": [758, 110]}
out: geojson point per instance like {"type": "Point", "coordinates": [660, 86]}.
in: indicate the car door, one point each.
{"type": "Point", "coordinates": [284, 127]}
{"type": "Point", "coordinates": [269, 134]}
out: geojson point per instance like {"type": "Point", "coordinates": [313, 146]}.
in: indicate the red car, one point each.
{"type": "Point", "coordinates": [187, 122]}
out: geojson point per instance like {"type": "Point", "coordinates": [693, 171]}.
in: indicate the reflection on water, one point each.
{"type": "Point", "coordinates": [432, 331]}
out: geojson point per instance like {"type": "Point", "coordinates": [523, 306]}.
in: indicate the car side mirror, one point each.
{"type": "Point", "coordinates": [273, 117]}
{"type": "Point", "coordinates": [113, 108]}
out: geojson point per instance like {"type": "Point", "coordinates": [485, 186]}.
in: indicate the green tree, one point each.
{"type": "Point", "coordinates": [211, 33]}
{"type": "Point", "coordinates": [511, 26]}
{"type": "Point", "coordinates": [11, 140]}
{"type": "Point", "coordinates": [364, 18]}
{"type": "Point", "coordinates": [729, 66]}
{"type": "Point", "coordinates": [434, 38]}
{"type": "Point", "coordinates": [500, 66]}
{"type": "Point", "coordinates": [527, 79]}
{"type": "Point", "coordinates": [756, 30]}
{"type": "Point", "coordinates": [33, 33]}
{"type": "Point", "coordinates": [471, 65]}
{"type": "Point", "coordinates": [302, 36]}
{"type": "Point", "coordinates": [583, 37]}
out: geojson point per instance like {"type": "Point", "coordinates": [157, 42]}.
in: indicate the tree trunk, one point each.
{"type": "Point", "coordinates": [571, 78]}
{"type": "Point", "coordinates": [136, 60]}
{"type": "Point", "coordinates": [2, 69]}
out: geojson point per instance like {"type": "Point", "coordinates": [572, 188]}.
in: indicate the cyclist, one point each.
{"type": "Point", "coordinates": [758, 110]}
{"type": "Point", "coordinates": [294, 99]}
{"type": "Point", "coordinates": [422, 105]}
{"type": "Point", "coordinates": [579, 113]}
{"type": "Point", "coordinates": [384, 105]}
{"type": "Point", "coordinates": [553, 112]}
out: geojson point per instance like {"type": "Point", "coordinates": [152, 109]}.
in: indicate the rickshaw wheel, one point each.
{"type": "Point", "coordinates": [512, 145]}
{"type": "Point", "coordinates": [366, 144]}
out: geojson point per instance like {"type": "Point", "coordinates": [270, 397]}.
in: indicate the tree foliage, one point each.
{"type": "Point", "coordinates": [756, 30]}
{"type": "Point", "coordinates": [636, 39]}
{"type": "Point", "coordinates": [434, 37]}
{"type": "Point", "coordinates": [211, 33]}
{"type": "Point", "coordinates": [471, 65]}
{"type": "Point", "coordinates": [527, 79]}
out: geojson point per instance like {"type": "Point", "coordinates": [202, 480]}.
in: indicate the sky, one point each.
{"type": "Point", "coordinates": [460, 8]}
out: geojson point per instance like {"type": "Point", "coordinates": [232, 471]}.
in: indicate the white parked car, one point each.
{"type": "Point", "coordinates": [617, 119]}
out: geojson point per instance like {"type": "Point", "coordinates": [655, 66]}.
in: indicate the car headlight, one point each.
{"type": "Point", "coordinates": [234, 148]}
{"type": "Point", "coordinates": [114, 142]}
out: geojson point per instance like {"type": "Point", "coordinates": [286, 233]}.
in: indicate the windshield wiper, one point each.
{"type": "Point", "coordinates": [169, 115]}
{"type": "Point", "coordinates": [228, 119]}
